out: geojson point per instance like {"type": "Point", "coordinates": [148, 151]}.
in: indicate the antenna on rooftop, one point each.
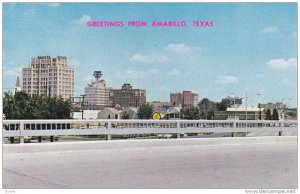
{"type": "Point", "coordinates": [97, 74]}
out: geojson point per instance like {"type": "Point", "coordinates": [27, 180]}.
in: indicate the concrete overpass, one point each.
{"type": "Point", "coordinates": [251, 162]}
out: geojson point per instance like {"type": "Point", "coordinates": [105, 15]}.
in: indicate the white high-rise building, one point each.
{"type": "Point", "coordinates": [96, 93]}
{"type": "Point", "coordinates": [48, 76]}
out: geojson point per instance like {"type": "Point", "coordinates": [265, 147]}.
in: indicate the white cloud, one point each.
{"type": "Point", "coordinates": [282, 64]}
{"type": "Point", "coordinates": [175, 53]}
{"type": "Point", "coordinates": [131, 74]}
{"type": "Point", "coordinates": [271, 29]}
{"type": "Point", "coordinates": [84, 19]}
{"type": "Point", "coordinates": [285, 82]}
{"type": "Point", "coordinates": [53, 4]}
{"type": "Point", "coordinates": [227, 80]}
{"type": "Point", "coordinates": [136, 74]}
{"type": "Point", "coordinates": [151, 58]}
{"type": "Point", "coordinates": [16, 71]}
{"type": "Point", "coordinates": [88, 78]}
{"type": "Point", "coordinates": [174, 72]}
{"type": "Point", "coordinates": [178, 48]}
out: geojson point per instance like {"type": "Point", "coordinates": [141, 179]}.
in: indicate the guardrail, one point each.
{"type": "Point", "coordinates": [24, 128]}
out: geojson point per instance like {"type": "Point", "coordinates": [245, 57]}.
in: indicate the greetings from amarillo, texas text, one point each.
{"type": "Point", "coordinates": [183, 23]}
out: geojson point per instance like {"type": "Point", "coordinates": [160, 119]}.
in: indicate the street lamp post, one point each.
{"type": "Point", "coordinates": [259, 106]}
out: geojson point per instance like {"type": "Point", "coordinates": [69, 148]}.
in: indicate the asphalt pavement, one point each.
{"type": "Point", "coordinates": [251, 162]}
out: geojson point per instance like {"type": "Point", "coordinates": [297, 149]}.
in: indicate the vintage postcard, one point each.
{"type": "Point", "coordinates": [150, 96]}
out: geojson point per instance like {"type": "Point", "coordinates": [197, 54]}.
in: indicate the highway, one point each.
{"type": "Point", "coordinates": [244, 162]}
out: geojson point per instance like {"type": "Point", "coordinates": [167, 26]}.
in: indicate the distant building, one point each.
{"type": "Point", "coordinates": [241, 112]}
{"type": "Point", "coordinates": [158, 105]}
{"type": "Point", "coordinates": [97, 93]}
{"type": "Point", "coordinates": [290, 113]}
{"type": "Point", "coordinates": [232, 101]}
{"type": "Point", "coordinates": [186, 98]}
{"type": "Point", "coordinates": [109, 113]}
{"type": "Point", "coordinates": [173, 113]}
{"type": "Point", "coordinates": [48, 76]}
{"type": "Point", "coordinates": [280, 107]}
{"type": "Point", "coordinates": [127, 96]}
{"type": "Point", "coordinates": [169, 112]}
{"type": "Point", "coordinates": [131, 112]}
{"type": "Point", "coordinates": [87, 114]}
{"type": "Point", "coordinates": [18, 86]}
{"type": "Point", "coordinates": [272, 106]}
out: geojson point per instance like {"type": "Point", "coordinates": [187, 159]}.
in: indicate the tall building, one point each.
{"type": "Point", "coordinates": [48, 76]}
{"type": "Point", "coordinates": [232, 101]}
{"type": "Point", "coordinates": [127, 96]}
{"type": "Point", "coordinates": [186, 98]}
{"type": "Point", "coordinates": [97, 93]}
{"type": "Point", "coordinates": [176, 99]}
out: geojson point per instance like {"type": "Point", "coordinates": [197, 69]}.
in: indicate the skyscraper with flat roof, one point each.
{"type": "Point", "coordinates": [97, 93]}
{"type": "Point", "coordinates": [127, 96]}
{"type": "Point", "coordinates": [186, 98]}
{"type": "Point", "coordinates": [49, 76]}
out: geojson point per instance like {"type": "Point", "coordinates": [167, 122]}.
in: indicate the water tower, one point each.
{"type": "Point", "coordinates": [97, 74]}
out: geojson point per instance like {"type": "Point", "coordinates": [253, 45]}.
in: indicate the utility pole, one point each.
{"type": "Point", "coordinates": [205, 108]}
{"type": "Point", "coordinates": [82, 105]}
{"type": "Point", "coordinates": [246, 105]}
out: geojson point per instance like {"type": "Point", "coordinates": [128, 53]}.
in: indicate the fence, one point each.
{"type": "Point", "coordinates": [24, 128]}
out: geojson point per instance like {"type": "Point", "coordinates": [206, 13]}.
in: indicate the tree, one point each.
{"type": "Point", "coordinates": [125, 115]}
{"type": "Point", "coordinates": [259, 106]}
{"type": "Point", "coordinates": [207, 108]}
{"type": "Point", "coordinates": [16, 106]}
{"type": "Point", "coordinates": [190, 113]}
{"type": "Point", "coordinates": [63, 108]}
{"type": "Point", "coordinates": [292, 114]}
{"type": "Point", "coordinates": [275, 115]}
{"type": "Point", "coordinates": [145, 111]}
{"type": "Point", "coordinates": [9, 105]}
{"type": "Point", "coordinates": [269, 115]}
{"type": "Point", "coordinates": [221, 106]}
{"type": "Point", "coordinates": [23, 106]}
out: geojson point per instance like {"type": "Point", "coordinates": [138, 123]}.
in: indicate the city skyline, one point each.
{"type": "Point", "coordinates": [251, 48]}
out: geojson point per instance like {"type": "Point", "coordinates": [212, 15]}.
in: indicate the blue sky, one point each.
{"type": "Point", "coordinates": [251, 48]}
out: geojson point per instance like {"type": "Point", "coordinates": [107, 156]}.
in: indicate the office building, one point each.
{"type": "Point", "coordinates": [186, 98]}
{"type": "Point", "coordinates": [48, 76]}
{"type": "Point", "coordinates": [127, 96]}
{"type": "Point", "coordinates": [96, 93]}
